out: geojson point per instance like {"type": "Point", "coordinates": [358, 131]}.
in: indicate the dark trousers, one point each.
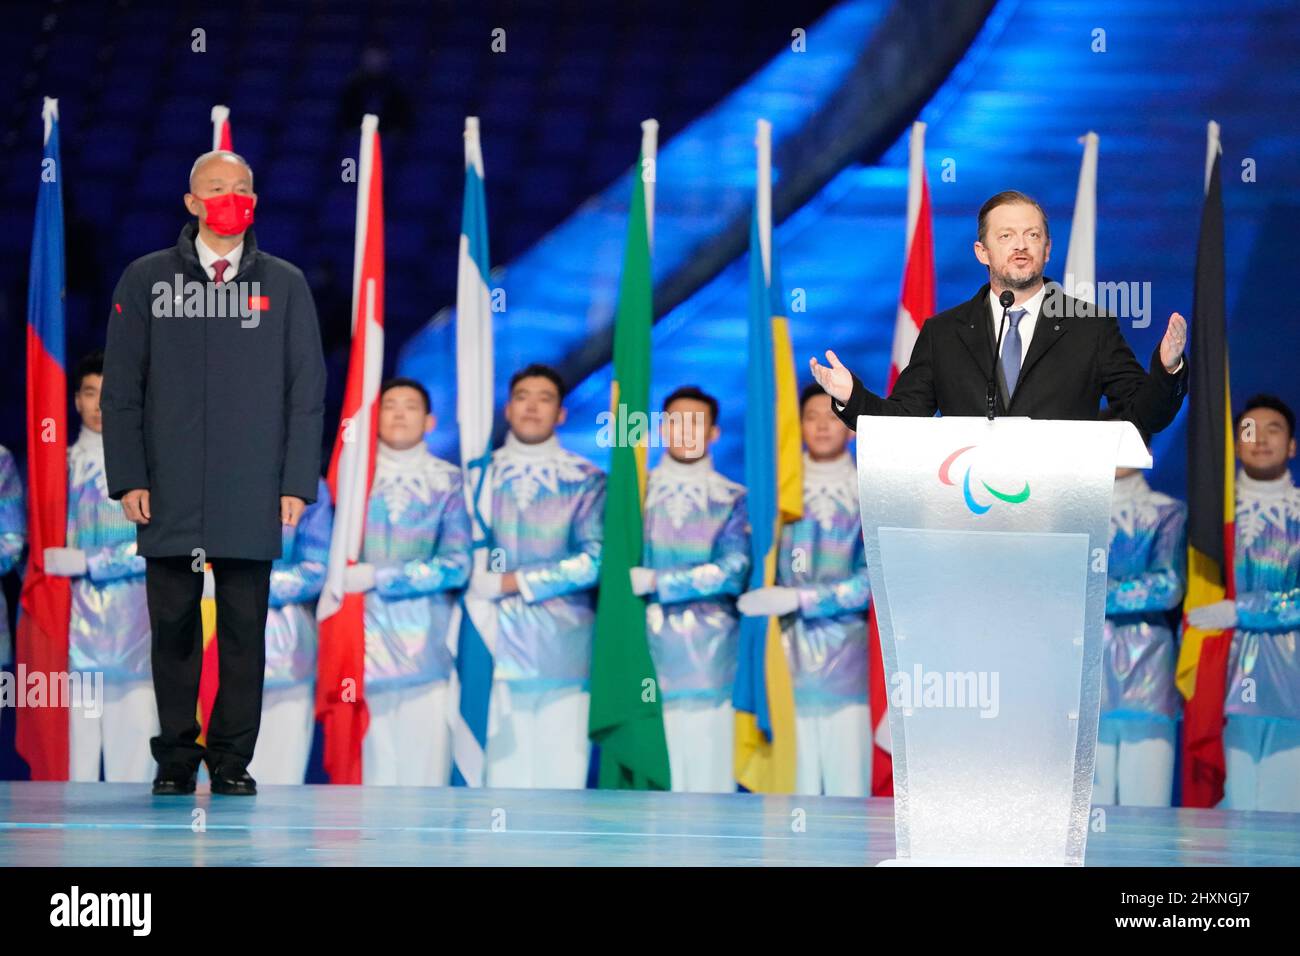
{"type": "Point", "coordinates": [174, 591]}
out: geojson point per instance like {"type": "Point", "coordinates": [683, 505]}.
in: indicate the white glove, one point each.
{"type": "Point", "coordinates": [1213, 617]}
{"type": "Point", "coordinates": [643, 581]}
{"type": "Point", "coordinates": [209, 584]}
{"type": "Point", "coordinates": [766, 602]}
{"type": "Point", "coordinates": [65, 562]}
{"type": "Point", "coordinates": [485, 585]}
{"type": "Point", "coordinates": [358, 578]}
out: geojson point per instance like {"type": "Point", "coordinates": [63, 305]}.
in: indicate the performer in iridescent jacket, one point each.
{"type": "Point", "coordinates": [546, 512]}
{"type": "Point", "coordinates": [696, 562]}
{"type": "Point", "coordinates": [13, 537]}
{"type": "Point", "coordinates": [414, 558]}
{"type": "Point", "coordinates": [1262, 695]}
{"type": "Point", "coordinates": [288, 690]}
{"type": "Point", "coordinates": [1146, 579]}
{"type": "Point", "coordinates": [108, 630]}
{"type": "Point", "coordinates": [823, 590]}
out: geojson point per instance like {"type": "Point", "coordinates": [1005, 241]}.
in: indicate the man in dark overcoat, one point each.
{"type": "Point", "coordinates": [213, 405]}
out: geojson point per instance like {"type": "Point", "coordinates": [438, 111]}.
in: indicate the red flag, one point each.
{"type": "Point", "coordinates": [340, 680]}
{"type": "Point", "coordinates": [41, 735]}
{"type": "Point", "coordinates": [882, 762]}
{"type": "Point", "coordinates": [915, 305]}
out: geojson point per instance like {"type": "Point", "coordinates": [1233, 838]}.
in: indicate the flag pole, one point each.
{"type": "Point", "coordinates": [649, 158]}
{"type": "Point", "coordinates": [763, 198]}
{"type": "Point", "coordinates": [915, 175]}
{"type": "Point", "coordinates": [1213, 149]}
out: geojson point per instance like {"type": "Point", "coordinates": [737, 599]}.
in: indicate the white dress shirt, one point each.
{"type": "Point", "coordinates": [207, 257]}
{"type": "Point", "coordinates": [1032, 306]}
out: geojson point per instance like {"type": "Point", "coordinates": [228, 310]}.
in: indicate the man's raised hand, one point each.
{"type": "Point", "coordinates": [1171, 346]}
{"type": "Point", "coordinates": [835, 379]}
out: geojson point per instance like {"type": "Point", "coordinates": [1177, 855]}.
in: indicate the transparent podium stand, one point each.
{"type": "Point", "coordinates": [986, 544]}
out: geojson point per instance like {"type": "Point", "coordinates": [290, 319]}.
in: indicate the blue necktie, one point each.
{"type": "Point", "coordinates": [1011, 351]}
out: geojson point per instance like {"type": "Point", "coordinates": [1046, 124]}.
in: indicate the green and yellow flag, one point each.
{"type": "Point", "coordinates": [626, 719]}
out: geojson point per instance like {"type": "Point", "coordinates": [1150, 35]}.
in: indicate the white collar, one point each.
{"type": "Point", "coordinates": [207, 257]}
{"type": "Point", "coordinates": [1130, 486]}
{"type": "Point", "coordinates": [698, 470]}
{"type": "Point", "coordinates": [837, 469]}
{"type": "Point", "coordinates": [1032, 306]}
{"type": "Point", "coordinates": [90, 441]}
{"type": "Point", "coordinates": [390, 459]}
{"type": "Point", "coordinates": [1259, 489]}
{"type": "Point", "coordinates": [531, 451]}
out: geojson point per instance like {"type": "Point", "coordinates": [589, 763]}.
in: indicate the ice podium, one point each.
{"type": "Point", "coordinates": [986, 545]}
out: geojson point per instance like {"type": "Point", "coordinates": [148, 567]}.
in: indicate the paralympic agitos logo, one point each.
{"type": "Point", "coordinates": [945, 476]}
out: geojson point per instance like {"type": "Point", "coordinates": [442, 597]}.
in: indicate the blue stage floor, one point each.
{"type": "Point", "coordinates": [98, 824]}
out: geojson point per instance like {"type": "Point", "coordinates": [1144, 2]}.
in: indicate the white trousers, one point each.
{"type": "Point", "coordinates": [537, 738]}
{"type": "Point", "coordinates": [285, 735]}
{"type": "Point", "coordinates": [120, 734]}
{"type": "Point", "coordinates": [1263, 764]}
{"type": "Point", "coordinates": [1134, 769]}
{"type": "Point", "coordinates": [701, 749]}
{"type": "Point", "coordinates": [408, 742]}
{"type": "Point", "coordinates": [833, 749]}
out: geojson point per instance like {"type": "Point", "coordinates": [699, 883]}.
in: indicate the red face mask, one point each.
{"type": "Point", "coordinates": [229, 214]}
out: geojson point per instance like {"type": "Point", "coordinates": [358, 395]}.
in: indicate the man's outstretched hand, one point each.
{"type": "Point", "coordinates": [1171, 346]}
{"type": "Point", "coordinates": [837, 380]}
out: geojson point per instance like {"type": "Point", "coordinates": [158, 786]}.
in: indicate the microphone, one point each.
{"type": "Point", "coordinates": [1007, 299]}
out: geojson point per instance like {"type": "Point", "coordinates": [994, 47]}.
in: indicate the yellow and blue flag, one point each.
{"type": "Point", "coordinates": [764, 696]}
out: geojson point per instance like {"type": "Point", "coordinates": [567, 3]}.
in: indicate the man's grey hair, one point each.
{"type": "Point", "coordinates": [219, 154]}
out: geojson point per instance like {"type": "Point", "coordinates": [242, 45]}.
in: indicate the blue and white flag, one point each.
{"type": "Point", "coordinates": [473, 631]}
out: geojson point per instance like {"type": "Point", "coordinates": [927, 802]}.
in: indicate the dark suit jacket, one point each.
{"type": "Point", "coordinates": [1077, 355]}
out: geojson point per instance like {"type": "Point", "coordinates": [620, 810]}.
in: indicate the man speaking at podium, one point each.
{"type": "Point", "coordinates": [1057, 355]}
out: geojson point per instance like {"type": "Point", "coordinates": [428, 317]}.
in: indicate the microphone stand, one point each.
{"type": "Point", "coordinates": [1007, 299]}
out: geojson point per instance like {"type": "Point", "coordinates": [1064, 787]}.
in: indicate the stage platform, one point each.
{"type": "Point", "coordinates": [101, 824]}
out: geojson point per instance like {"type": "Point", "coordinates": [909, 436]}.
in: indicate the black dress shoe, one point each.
{"type": "Point", "coordinates": [174, 781]}
{"type": "Point", "coordinates": [238, 784]}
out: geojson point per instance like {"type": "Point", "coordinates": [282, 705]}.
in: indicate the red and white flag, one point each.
{"type": "Point", "coordinates": [340, 678]}
{"type": "Point", "coordinates": [916, 302]}
{"type": "Point", "coordinates": [221, 128]}
{"type": "Point", "coordinates": [915, 305]}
